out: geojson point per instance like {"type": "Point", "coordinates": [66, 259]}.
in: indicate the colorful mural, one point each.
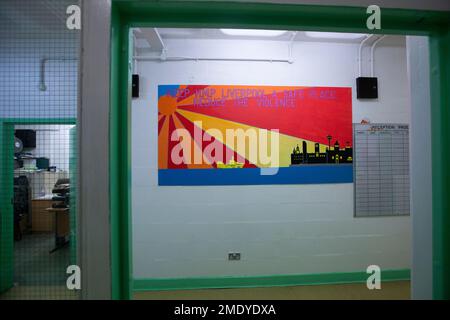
{"type": "Point", "coordinates": [303, 132]}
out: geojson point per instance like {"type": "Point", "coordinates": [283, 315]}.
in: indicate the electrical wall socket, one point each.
{"type": "Point", "coordinates": [234, 256]}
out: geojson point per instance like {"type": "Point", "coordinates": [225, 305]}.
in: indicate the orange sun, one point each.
{"type": "Point", "coordinates": [167, 105]}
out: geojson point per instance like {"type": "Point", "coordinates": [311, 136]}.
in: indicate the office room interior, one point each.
{"type": "Point", "coordinates": [41, 204]}
{"type": "Point", "coordinates": [153, 156]}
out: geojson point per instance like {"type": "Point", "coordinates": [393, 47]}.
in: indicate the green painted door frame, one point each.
{"type": "Point", "coordinates": [127, 14]}
{"type": "Point", "coordinates": [7, 192]}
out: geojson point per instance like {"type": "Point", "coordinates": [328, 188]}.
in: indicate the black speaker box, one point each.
{"type": "Point", "coordinates": [135, 86]}
{"type": "Point", "coordinates": [367, 88]}
{"type": "Point", "coordinates": [28, 137]}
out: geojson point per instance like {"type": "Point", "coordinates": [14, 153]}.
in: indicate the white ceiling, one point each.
{"type": "Point", "coordinates": [216, 34]}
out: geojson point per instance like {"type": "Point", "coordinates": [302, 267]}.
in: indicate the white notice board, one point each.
{"type": "Point", "coordinates": [381, 169]}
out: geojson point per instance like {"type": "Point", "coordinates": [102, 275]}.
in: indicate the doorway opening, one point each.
{"type": "Point", "coordinates": [288, 17]}
{"type": "Point", "coordinates": [311, 87]}
{"type": "Point", "coordinates": [40, 176]}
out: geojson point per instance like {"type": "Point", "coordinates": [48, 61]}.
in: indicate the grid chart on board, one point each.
{"type": "Point", "coordinates": [381, 170]}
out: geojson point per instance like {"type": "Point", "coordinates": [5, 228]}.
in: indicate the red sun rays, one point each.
{"type": "Point", "coordinates": [168, 121]}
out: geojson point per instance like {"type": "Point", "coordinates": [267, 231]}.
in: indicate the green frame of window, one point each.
{"type": "Point", "coordinates": [128, 14]}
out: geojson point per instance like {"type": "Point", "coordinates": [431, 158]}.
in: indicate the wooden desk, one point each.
{"type": "Point", "coordinates": [41, 219]}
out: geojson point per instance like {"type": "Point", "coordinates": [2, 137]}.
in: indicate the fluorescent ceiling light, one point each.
{"type": "Point", "coordinates": [334, 35]}
{"type": "Point", "coordinates": [252, 32]}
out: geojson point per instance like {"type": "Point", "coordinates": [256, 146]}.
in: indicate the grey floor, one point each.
{"type": "Point", "coordinates": [395, 290]}
{"type": "Point", "coordinates": [39, 274]}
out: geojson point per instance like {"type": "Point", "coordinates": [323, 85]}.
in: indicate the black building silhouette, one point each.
{"type": "Point", "coordinates": [334, 155]}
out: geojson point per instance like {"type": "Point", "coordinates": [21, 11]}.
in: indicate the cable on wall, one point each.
{"type": "Point", "coordinates": [372, 51]}
{"type": "Point", "coordinates": [291, 46]}
{"type": "Point", "coordinates": [42, 85]}
{"type": "Point", "coordinates": [360, 53]}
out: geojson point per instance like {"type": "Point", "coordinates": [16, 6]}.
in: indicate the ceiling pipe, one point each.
{"type": "Point", "coordinates": [163, 56]}
{"type": "Point", "coordinates": [360, 53]}
{"type": "Point", "coordinates": [291, 45]}
{"type": "Point", "coordinates": [181, 58]}
{"type": "Point", "coordinates": [152, 36]}
{"type": "Point", "coordinates": [135, 67]}
{"type": "Point", "coordinates": [372, 52]}
{"type": "Point", "coordinates": [161, 42]}
{"type": "Point", "coordinates": [163, 45]}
